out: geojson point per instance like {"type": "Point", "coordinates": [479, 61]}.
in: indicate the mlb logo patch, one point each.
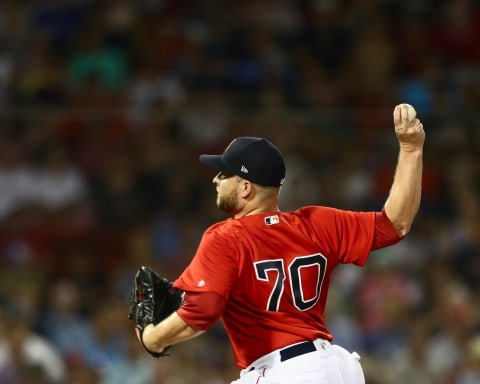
{"type": "Point", "coordinates": [270, 220]}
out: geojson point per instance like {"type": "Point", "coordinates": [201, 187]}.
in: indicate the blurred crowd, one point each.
{"type": "Point", "coordinates": [104, 109]}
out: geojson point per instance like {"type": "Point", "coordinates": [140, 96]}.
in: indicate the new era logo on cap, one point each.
{"type": "Point", "coordinates": [252, 158]}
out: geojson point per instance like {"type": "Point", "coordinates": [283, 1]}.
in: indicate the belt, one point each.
{"type": "Point", "coordinates": [297, 350]}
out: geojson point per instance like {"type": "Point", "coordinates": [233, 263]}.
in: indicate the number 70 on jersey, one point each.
{"type": "Point", "coordinates": [302, 272]}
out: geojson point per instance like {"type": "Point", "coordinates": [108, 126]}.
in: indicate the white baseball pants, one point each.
{"type": "Point", "coordinates": [320, 363]}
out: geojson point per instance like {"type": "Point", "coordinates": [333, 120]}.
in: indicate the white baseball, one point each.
{"type": "Point", "coordinates": [412, 113]}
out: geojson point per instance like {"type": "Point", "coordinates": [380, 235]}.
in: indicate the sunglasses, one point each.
{"type": "Point", "coordinates": [224, 175]}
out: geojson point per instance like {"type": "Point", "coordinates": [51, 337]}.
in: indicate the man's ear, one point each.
{"type": "Point", "coordinates": [246, 188]}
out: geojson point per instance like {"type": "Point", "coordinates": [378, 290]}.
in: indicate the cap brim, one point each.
{"type": "Point", "coordinates": [214, 162]}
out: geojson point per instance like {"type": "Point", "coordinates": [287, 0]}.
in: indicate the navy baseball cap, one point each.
{"type": "Point", "coordinates": [252, 158]}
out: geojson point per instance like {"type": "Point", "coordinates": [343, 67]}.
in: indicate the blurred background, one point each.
{"type": "Point", "coordinates": [104, 109]}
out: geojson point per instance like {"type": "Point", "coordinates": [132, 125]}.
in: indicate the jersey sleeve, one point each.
{"type": "Point", "coordinates": [385, 233]}
{"type": "Point", "coordinates": [201, 310]}
{"type": "Point", "coordinates": [214, 267]}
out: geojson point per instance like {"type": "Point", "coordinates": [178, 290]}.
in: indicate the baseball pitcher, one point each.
{"type": "Point", "coordinates": [266, 273]}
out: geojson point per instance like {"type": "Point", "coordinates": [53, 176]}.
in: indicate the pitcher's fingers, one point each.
{"type": "Point", "coordinates": [397, 117]}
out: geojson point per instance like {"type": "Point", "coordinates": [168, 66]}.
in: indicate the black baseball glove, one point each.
{"type": "Point", "coordinates": [152, 299]}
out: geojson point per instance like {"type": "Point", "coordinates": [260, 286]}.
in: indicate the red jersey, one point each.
{"type": "Point", "coordinates": [274, 271]}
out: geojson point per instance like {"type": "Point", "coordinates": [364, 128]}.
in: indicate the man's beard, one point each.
{"type": "Point", "coordinates": [228, 203]}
